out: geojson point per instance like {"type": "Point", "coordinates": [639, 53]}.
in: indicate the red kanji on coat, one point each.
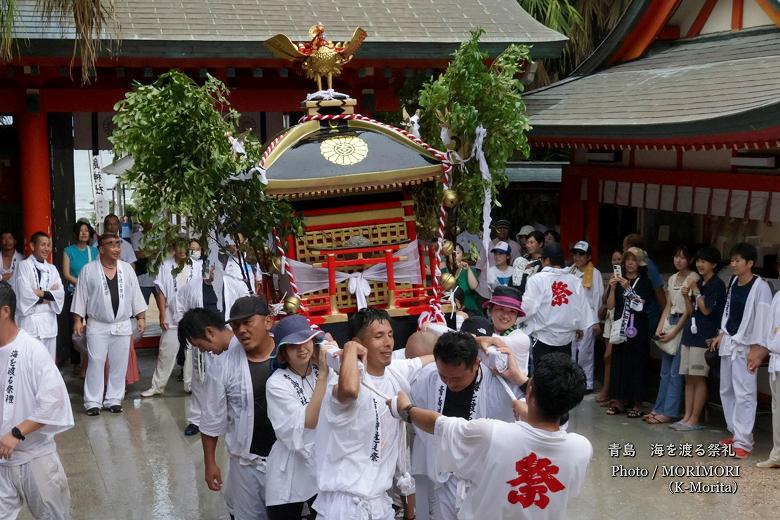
{"type": "Point", "coordinates": [560, 293]}
{"type": "Point", "coordinates": [535, 478]}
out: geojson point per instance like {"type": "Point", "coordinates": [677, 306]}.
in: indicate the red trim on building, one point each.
{"type": "Point", "coordinates": [701, 18]}
{"type": "Point", "coordinates": [646, 31]}
{"type": "Point", "coordinates": [737, 12]}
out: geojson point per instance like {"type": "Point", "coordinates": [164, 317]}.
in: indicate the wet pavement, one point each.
{"type": "Point", "coordinates": [138, 465]}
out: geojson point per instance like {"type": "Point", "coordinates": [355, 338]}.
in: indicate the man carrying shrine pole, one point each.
{"type": "Point", "coordinates": [526, 469]}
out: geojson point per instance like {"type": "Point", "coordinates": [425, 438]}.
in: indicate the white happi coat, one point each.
{"type": "Point", "coordinates": [229, 409]}
{"type": "Point", "coordinates": [773, 339]}
{"type": "Point", "coordinates": [556, 306]}
{"type": "Point", "coordinates": [516, 471]}
{"type": "Point", "coordinates": [596, 291]}
{"type": "Point", "coordinates": [291, 461]}
{"type": "Point", "coordinates": [490, 400]}
{"type": "Point", "coordinates": [357, 443]}
{"type": "Point", "coordinates": [170, 286]}
{"type": "Point", "coordinates": [33, 389]}
{"type": "Point", "coordinates": [16, 259]}
{"type": "Point", "coordinates": [38, 319]}
{"type": "Point", "coordinates": [756, 321]}
{"type": "Point", "coordinates": [93, 299]}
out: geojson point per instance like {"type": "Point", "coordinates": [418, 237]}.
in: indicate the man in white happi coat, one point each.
{"type": "Point", "coordinates": [11, 257]}
{"type": "Point", "coordinates": [111, 226]}
{"type": "Point", "coordinates": [174, 274]}
{"type": "Point", "coordinates": [556, 306]}
{"type": "Point", "coordinates": [741, 345]}
{"type": "Point", "coordinates": [527, 469]}
{"type": "Point", "coordinates": [108, 295]}
{"type": "Point", "coordinates": [34, 407]}
{"type": "Point", "coordinates": [40, 294]}
{"type": "Point", "coordinates": [459, 384]}
{"type": "Point", "coordinates": [235, 405]}
{"type": "Point", "coordinates": [358, 441]}
{"type": "Point", "coordinates": [583, 347]}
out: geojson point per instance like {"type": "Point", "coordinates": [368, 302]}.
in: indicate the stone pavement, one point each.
{"type": "Point", "coordinates": [139, 466]}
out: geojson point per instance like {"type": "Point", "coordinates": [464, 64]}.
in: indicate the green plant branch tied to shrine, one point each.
{"type": "Point", "coordinates": [187, 177]}
{"type": "Point", "coordinates": [472, 93]}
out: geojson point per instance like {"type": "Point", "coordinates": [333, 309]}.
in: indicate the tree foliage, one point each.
{"type": "Point", "coordinates": [468, 94]}
{"type": "Point", "coordinates": [185, 168]}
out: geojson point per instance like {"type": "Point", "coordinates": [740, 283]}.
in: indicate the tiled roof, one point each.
{"type": "Point", "coordinates": [702, 85]}
{"type": "Point", "coordinates": [387, 21]}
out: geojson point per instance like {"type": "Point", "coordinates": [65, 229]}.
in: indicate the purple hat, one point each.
{"type": "Point", "coordinates": [508, 297]}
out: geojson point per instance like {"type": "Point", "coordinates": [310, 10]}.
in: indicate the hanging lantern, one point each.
{"type": "Point", "coordinates": [447, 248]}
{"type": "Point", "coordinates": [276, 264]}
{"type": "Point", "coordinates": [449, 199]}
{"type": "Point", "coordinates": [292, 304]}
{"type": "Point", "coordinates": [448, 281]}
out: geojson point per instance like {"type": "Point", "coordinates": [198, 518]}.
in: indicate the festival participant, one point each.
{"type": "Point", "coordinates": [674, 319]}
{"type": "Point", "coordinates": [657, 304]}
{"type": "Point", "coordinates": [630, 333]}
{"type": "Point", "coordinates": [173, 275]}
{"type": "Point", "coordinates": [742, 347]}
{"type": "Point", "coordinates": [458, 385]}
{"type": "Point", "coordinates": [709, 296]}
{"type": "Point", "coordinates": [503, 309]}
{"type": "Point", "coordinates": [556, 307]}
{"type": "Point", "coordinates": [40, 294]}
{"type": "Point", "coordinates": [773, 344]}
{"type": "Point", "coordinates": [294, 393]}
{"type": "Point", "coordinates": [502, 228]}
{"type": "Point", "coordinates": [500, 273]}
{"type": "Point", "coordinates": [108, 294]}
{"type": "Point", "coordinates": [467, 279]}
{"type": "Point", "coordinates": [236, 405]}
{"type": "Point", "coordinates": [583, 348]}
{"type": "Point", "coordinates": [358, 442]}
{"type": "Point", "coordinates": [527, 469]}
{"type": "Point", "coordinates": [11, 257]}
{"type": "Point", "coordinates": [35, 407]}
{"type": "Point", "coordinates": [616, 259]}
{"type": "Point", "coordinates": [111, 226]}
{"type": "Point", "coordinates": [531, 263]}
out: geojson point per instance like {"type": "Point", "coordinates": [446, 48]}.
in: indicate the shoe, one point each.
{"type": "Point", "coordinates": [685, 427]}
{"type": "Point", "coordinates": [93, 411]}
{"type": "Point", "coordinates": [727, 441]}
{"type": "Point", "coordinates": [739, 453]}
{"type": "Point", "coordinates": [150, 393]}
{"type": "Point", "coordinates": [676, 425]}
{"type": "Point", "coordinates": [115, 408]}
{"type": "Point", "coordinates": [768, 463]}
{"type": "Point", "coordinates": [191, 430]}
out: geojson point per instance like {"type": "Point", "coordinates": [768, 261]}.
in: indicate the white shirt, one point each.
{"type": "Point", "coordinates": [170, 286]}
{"type": "Point", "coordinates": [773, 339]}
{"type": "Point", "coordinates": [16, 259]}
{"type": "Point", "coordinates": [756, 321]}
{"type": "Point", "coordinates": [596, 290]}
{"type": "Point", "coordinates": [358, 441]}
{"type": "Point", "coordinates": [291, 461]}
{"type": "Point", "coordinates": [38, 319]}
{"type": "Point", "coordinates": [93, 299]}
{"type": "Point", "coordinates": [126, 253]}
{"type": "Point", "coordinates": [503, 460]}
{"type": "Point", "coordinates": [35, 391]}
{"type": "Point", "coordinates": [556, 307]}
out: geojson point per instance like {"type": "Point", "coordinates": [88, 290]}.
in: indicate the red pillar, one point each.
{"type": "Point", "coordinates": [593, 205]}
{"type": "Point", "coordinates": [35, 175]}
{"type": "Point", "coordinates": [572, 210]}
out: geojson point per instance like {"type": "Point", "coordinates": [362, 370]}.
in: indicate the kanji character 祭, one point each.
{"type": "Point", "coordinates": [535, 478]}
{"type": "Point", "coordinates": [560, 292]}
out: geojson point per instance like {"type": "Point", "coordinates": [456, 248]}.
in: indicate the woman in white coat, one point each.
{"type": "Point", "coordinates": [294, 394]}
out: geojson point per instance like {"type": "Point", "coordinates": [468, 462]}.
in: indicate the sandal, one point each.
{"type": "Point", "coordinates": [657, 419]}
{"type": "Point", "coordinates": [634, 413]}
{"type": "Point", "coordinates": [648, 416]}
{"type": "Point", "coordinates": [614, 410]}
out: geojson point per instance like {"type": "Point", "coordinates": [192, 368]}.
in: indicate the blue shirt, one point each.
{"type": "Point", "coordinates": [739, 296]}
{"type": "Point", "coordinates": [714, 294]}
{"type": "Point", "coordinates": [78, 259]}
{"type": "Point", "coordinates": [653, 310]}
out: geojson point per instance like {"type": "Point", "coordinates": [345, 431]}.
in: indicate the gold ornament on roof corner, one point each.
{"type": "Point", "coordinates": [448, 281]}
{"type": "Point", "coordinates": [318, 57]}
{"type": "Point", "coordinates": [447, 248]}
{"type": "Point", "coordinates": [449, 199]}
{"type": "Point", "coordinates": [276, 264]}
{"type": "Point", "coordinates": [292, 304]}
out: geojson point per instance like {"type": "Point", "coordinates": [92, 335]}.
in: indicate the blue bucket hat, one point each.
{"type": "Point", "coordinates": [294, 330]}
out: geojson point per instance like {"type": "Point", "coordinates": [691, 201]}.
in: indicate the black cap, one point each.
{"type": "Point", "coordinates": [502, 223]}
{"type": "Point", "coordinates": [554, 252]}
{"type": "Point", "coordinates": [477, 325]}
{"type": "Point", "coordinates": [248, 306]}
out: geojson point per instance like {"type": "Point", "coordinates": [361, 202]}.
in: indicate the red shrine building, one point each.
{"type": "Point", "coordinates": [673, 126]}
{"type": "Point", "coordinates": [43, 106]}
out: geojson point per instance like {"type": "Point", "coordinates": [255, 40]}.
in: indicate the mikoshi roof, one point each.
{"type": "Point", "coordinates": [237, 28]}
{"type": "Point", "coordinates": [322, 158]}
{"type": "Point", "coordinates": [703, 88]}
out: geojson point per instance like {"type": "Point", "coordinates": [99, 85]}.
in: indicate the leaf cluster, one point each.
{"type": "Point", "coordinates": [184, 166]}
{"type": "Point", "coordinates": [472, 92]}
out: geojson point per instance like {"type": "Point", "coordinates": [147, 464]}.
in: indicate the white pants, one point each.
{"type": "Point", "coordinates": [343, 506]}
{"type": "Point", "coordinates": [738, 394]}
{"type": "Point", "coordinates": [582, 351]}
{"type": "Point", "coordinates": [102, 346]}
{"type": "Point", "coordinates": [446, 500]}
{"type": "Point", "coordinates": [51, 346]}
{"type": "Point", "coordinates": [187, 372]}
{"type": "Point", "coordinates": [425, 498]}
{"type": "Point", "coordinates": [196, 401]}
{"type": "Point", "coordinates": [41, 483]}
{"type": "Point", "coordinates": [166, 358]}
{"type": "Point", "coordinates": [245, 490]}
{"type": "Point", "coordinates": [774, 384]}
